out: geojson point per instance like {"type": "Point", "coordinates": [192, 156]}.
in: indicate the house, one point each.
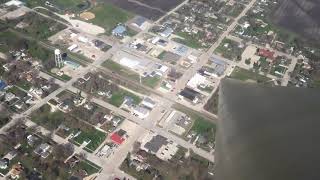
{"type": "Point", "coordinates": [4, 163]}
{"type": "Point", "coordinates": [9, 96]}
{"type": "Point", "coordinates": [88, 106]}
{"type": "Point", "coordinates": [166, 152]}
{"type": "Point", "coordinates": [87, 77]}
{"type": "Point", "coordinates": [266, 54]}
{"type": "Point", "coordinates": [15, 171]}
{"type": "Point", "coordinates": [196, 80]}
{"type": "Point", "coordinates": [43, 150]}
{"type": "Point", "coordinates": [117, 139]}
{"type": "Point", "coordinates": [108, 117]}
{"type": "Point", "coordinates": [73, 161]}
{"type": "Point", "coordinates": [98, 43]}
{"type": "Point", "coordinates": [116, 121]}
{"type": "Point", "coordinates": [32, 139]}
{"type": "Point", "coordinates": [148, 102]}
{"type": "Point", "coordinates": [119, 30]}
{"type": "Point", "coordinates": [10, 155]}
{"type": "Point", "coordinates": [141, 112]}
{"type": "Point", "coordinates": [140, 22]}
{"type": "Point", "coordinates": [155, 144]}
{"type": "Point", "coordinates": [105, 151]}
{"type": "Point", "coordinates": [161, 147]}
{"type": "Point", "coordinates": [14, 3]}
{"type": "Point", "coordinates": [190, 95]}
{"type": "Point", "coordinates": [166, 32]}
{"type": "Point", "coordinates": [128, 101]}
{"type": "Point", "coordinates": [3, 85]}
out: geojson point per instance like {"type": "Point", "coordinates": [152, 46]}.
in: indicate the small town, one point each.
{"type": "Point", "coordinates": [104, 89]}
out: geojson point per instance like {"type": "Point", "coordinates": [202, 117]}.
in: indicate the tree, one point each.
{"type": "Point", "coordinates": [63, 151]}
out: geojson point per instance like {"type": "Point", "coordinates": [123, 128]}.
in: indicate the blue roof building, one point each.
{"type": "Point", "coordinates": [166, 32]}
{"type": "Point", "coordinates": [119, 30]}
{"type": "Point", "coordinates": [2, 85]}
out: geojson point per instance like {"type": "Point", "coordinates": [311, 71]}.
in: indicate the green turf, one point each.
{"type": "Point", "coordinates": [70, 5]}
{"type": "Point", "coordinates": [96, 137]}
{"type": "Point", "coordinates": [118, 98]}
{"type": "Point", "coordinates": [108, 16]}
{"type": "Point", "coordinates": [188, 40]}
{"type": "Point", "coordinates": [201, 125]}
{"type": "Point", "coordinates": [123, 71]}
{"type": "Point", "coordinates": [151, 81]}
{"type": "Point", "coordinates": [245, 75]}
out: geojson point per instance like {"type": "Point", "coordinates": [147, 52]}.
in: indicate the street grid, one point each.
{"type": "Point", "coordinates": [139, 127]}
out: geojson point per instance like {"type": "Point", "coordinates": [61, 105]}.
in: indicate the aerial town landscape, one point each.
{"type": "Point", "coordinates": [128, 89]}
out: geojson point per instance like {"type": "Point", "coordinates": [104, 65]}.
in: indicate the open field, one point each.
{"type": "Point", "coordinates": [118, 97]}
{"type": "Point", "coordinates": [36, 26]}
{"type": "Point", "coordinates": [188, 40]}
{"type": "Point", "coordinates": [108, 16]}
{"type": "Point", "coordinates": [135, 8]}
{"type": "Point", "coordinates": [246, 75]}
{"type": "Point", "coordinates": [116, 67]}
{"type": "Point", "coordinates": [165, 5]}
{"type": "Point", "coordinates": [61, 5]}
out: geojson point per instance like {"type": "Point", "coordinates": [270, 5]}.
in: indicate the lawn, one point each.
{"type": "Point", "coordinates": [178, 168]}
{"type": "Point", "coordinates": [230, 49]}
{"type": "Point", "coordinates": [188, 40]}
{"type": "Point", "coordinates": [246, 75]}
{"type": "Point", "coordinates": [63, 78]}
{"type": "Point", "coordinates": [37, 26]}
{"type": "Point", "coordinates": [201, 125]}
{"type": "Point", "coordinates": [64, 5]}
{"type": "Point", "coordinates": [212, 103]}
{"type": "Point", "coordinates": [44, 117]}
{"type": "Point", "coordinates": [108, 16]}
{"type": "Point", "coordinates": [118, 97]}
{"type": "Point", "coordinates": [24, 85]}
{"type": "Point", "coordinates": [96, 137]}
{"type": "Point", "coordinates": [88, 166]}
{"type": "Point", "coordinates": [151, 81]}
{"type": "Point", "coordinates": [123, 71]}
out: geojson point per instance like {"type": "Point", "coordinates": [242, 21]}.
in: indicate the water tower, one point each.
{"type": "Point", "coordinates": [58, 58]}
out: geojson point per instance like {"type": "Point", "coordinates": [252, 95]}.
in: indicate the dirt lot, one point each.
{"type": "Point", "coordinates": [299, 16]}
{"type": "Point", "coordinates": [152, 9]}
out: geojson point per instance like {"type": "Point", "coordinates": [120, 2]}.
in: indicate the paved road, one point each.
{"type": "Point", "coordinates": [204, 57]}
{"type": "Point", "coordinates": [146, 125]}
{"type": "Point", "coordinates": [149, 124]}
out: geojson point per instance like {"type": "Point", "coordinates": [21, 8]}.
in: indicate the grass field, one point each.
{"type": "Point", "coordinates": [108, 16]}
{"type": "Point", "coordinates": [188, 40]}
{"type": "Point", "coordinates": [96, 137]}
{"type": "Point", "coordinates": [151, 81]}
{"type": "Point", "coordinates": [230, 49]}
{"type": "Point", "coordinates": [123, 71]}
{"type": "Point", "coordinates": [63, 5]}
{"type": "Point", "coordinates": [118, 97]}
{"type": "Point", "coordinates": [246, 75]}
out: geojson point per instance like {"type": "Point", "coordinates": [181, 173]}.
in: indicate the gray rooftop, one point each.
{"type": "Point", "coordinates": [267, 133]}
{"type": "Point", "coordinates": [156, 143]}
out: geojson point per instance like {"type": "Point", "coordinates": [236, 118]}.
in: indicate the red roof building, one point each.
{"type": "Point", "coordinates": [266, 53]}
{"type": "Point", "coordinates": [116, 138]}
